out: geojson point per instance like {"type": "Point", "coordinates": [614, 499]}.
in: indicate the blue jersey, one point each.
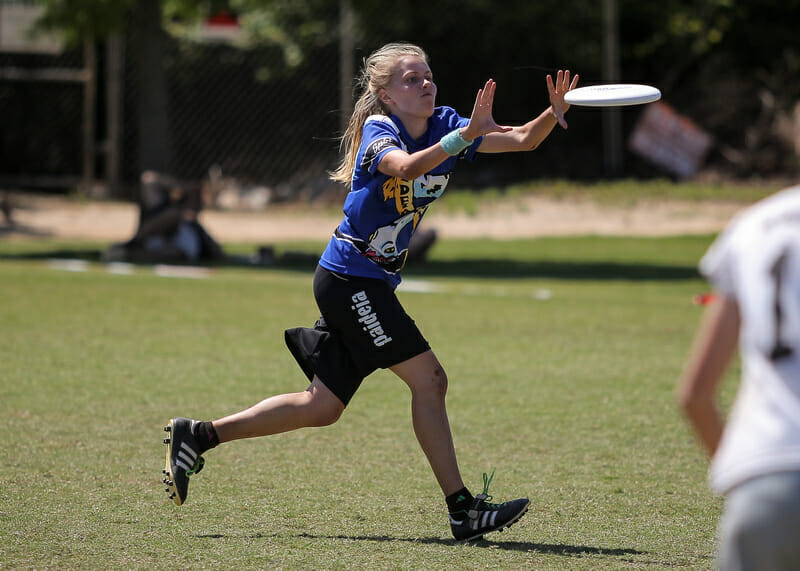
{"type": "Point", "coordinates": [381, 212]}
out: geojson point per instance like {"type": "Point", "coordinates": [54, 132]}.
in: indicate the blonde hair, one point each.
{"type": "Point", "coordinates": [375, 75]}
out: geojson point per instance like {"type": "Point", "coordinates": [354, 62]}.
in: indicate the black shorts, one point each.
{"type": "Point", "coordinates": [363, 327]}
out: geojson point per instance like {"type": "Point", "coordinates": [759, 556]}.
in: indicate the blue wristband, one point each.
{"type": "Point", "coordinates": [453, 143]}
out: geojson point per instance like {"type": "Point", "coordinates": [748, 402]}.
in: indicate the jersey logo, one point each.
{"type": "Point", "coordinates": [430, 185]}
{"type": "Point", "coordinates": [402, 192]}
{"type": "Point", "coordinates": [374, 149]}
{"type": "Point", "coordinates": [405, 191]}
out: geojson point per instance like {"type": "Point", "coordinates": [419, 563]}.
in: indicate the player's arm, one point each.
{"type": "Point", "coordinates": [411, 165]}
{"type": "Point", "coordinates": [712, 351]}
{"type": "Point", "coordinates": [523, 138]}
{"type": "Point", "coordinates": [530, 135]}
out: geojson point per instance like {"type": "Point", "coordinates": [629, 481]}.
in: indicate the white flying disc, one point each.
{"type": "Point", "coordinates": [612, 95]}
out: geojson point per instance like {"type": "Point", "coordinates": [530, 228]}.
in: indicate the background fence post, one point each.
{"type": "Point", "coordinates": [612, 118]}
{"type": "Point", "coordinates": [114, 119]}
{"type": "Point", "coordinates": [345, 64]}
{"type": "Point", "coordinates": [88, 119]}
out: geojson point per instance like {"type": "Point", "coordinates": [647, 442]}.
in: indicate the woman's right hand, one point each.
{"type": "Point", "coordinates": [481, 121]}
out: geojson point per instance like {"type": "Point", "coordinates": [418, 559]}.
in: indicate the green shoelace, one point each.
{"type": "Point", "coordinates": [199, 466]}
{"type": "Point", "coordinates": [484, 496]}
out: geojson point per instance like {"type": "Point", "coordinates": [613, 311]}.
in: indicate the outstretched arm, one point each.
{"type": "Point", "coordinates": [528, 136]}
{"type": "Point", "coordinates": [410, 166]}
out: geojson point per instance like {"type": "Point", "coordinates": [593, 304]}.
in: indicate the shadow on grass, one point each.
{"type": "Point", "coordinates": [523, 546]}
{"type": "Point", "coordinates": [496, 268]}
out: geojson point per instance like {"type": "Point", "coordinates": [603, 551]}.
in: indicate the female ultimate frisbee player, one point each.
{"type": "Point", "coordinates": [754, 266]}
{"type": "Point", "coordinates": [399, 151]}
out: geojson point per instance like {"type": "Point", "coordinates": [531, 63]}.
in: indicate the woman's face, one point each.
{"type": "Point", "coordinates": [411, 91]}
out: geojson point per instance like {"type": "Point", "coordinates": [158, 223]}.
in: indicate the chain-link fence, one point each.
{"type": "Point", "coordinates": [262, 119]}
{"type": "Point", "coordinates": [248, 118]}
{"type": "Point", "coordinates": [240, 113]}
{"type": "Point", "coordinates": [251, 117]}
{"type": "Point", "coordinates": [41, 110]}
{"type": "Point", "coordinates": [244, 115]}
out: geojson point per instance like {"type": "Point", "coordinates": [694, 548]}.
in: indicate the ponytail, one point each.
{"type": "Point", "coordinates": [368, 104]}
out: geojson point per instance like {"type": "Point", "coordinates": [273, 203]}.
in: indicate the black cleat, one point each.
{"type": "Point", "coordinates": [484, 517]}
{"type": "Point", "coordinates": [183, 458]}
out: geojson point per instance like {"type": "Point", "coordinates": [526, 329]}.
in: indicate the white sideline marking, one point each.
{"type": "Point", "coordinates": [198, 272]}
{"type": "Point", "coordinates": [121, 268]}
{"type": "Point", "coordinates": [421, 286]}
{"type": "Point", "coordinates": [424, 286]}
{"type": "Point", "coordinates": [125, 269]}
{"type": "Point", "coordinates": [193, 272]}
{"type": "Point", "coordinates": [68, 265]}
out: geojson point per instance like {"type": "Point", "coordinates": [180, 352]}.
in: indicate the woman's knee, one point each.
{"type": "Point", "coordinates": [424, 375]}
{"type": "Point", "coordinates": [322, 411]}
{"type": "Point", "coordinates": [432, 384]}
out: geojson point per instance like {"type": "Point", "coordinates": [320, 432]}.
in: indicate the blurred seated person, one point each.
{"type": "Point", "coordinates": [168, 229]}
{"type": "Point", "coordinates": [421, 241]}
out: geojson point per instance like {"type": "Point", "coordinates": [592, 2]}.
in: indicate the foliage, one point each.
{"type": "Point", "coordinates": [755, 34]}
{"type": "Point", "coordinates": [79, 19]}
{"type": "Point", "coordinates": [296, 28]}
{"type": "Point", "coordinates": [699, 52]}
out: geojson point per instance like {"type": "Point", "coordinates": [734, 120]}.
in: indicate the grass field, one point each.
{"type": "Point", "coordinates": [562, 356]}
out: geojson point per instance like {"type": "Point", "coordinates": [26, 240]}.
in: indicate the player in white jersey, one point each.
{"type": "Point", "coordinates": [754, 267]}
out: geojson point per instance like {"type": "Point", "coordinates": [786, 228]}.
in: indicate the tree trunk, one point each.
{"type": "Point", "coordinates": [154, 148]}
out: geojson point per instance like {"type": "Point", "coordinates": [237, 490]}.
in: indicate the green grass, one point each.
{"type": "Point", "coordinates": [562, 356]}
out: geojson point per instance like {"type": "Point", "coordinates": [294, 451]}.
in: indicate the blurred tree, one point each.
{"type": "Point", "coordinates": [148, 43]}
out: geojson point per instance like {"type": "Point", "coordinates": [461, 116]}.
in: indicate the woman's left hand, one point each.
{"type": "Point", "coordinates": [557, 90]}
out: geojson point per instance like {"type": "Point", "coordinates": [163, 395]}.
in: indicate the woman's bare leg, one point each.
{"type": "Point", "coordinates": [428, 383]}
{"type": "Point", "coordinates": [316, 406]}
